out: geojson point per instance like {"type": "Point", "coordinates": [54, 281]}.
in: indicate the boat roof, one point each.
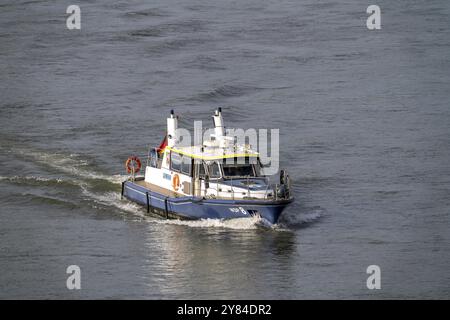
{"type": "Point", "coordinates": [215, 153]}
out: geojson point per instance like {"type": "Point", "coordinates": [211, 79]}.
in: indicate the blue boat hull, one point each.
{"type": "Point", "coordinates": [193, 208]}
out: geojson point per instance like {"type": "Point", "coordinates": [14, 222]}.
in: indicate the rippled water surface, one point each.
{"type": "Point", "coordinates": [364, 122]}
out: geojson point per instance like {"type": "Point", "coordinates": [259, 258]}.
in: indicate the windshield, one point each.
{"type": "Point", "coordinates": [238, 170]}
{"type": "Point", "coordinates": [214, 170]}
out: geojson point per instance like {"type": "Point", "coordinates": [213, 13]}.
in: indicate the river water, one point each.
{"type": "Point", "coordinates": [364, 133]}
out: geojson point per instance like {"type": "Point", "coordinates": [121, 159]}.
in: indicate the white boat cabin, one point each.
{"type": "Point", "coordinates": [218, 168]}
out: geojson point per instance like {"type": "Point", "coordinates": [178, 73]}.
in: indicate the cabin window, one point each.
{"type": "Point", "coordinates": [175, 161]}
{"type": "Point", "coordinates": [239, 170]}
{"type": "Point", "coordinates": [186, 164]}
{"type": "Point", "coordinates": [258, 168]}
{"type": "Point", "coordinates": [240, 167]}
{"type": "Point", "coordinates": [201, 170]}
{"type": "Point", "coordinates": [214, 170]}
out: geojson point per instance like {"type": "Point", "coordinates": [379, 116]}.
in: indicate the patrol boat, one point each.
{"type": "Point", "coordinates": [217, 179]}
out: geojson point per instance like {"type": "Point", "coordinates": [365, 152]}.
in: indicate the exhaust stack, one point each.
{"type": "Point", "coordinates": [172, 126]}
{"type": "Point", "coordinates": [219, 129]}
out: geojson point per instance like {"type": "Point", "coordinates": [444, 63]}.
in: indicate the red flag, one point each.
{"type": "Point", "coordinates": [163, 145]}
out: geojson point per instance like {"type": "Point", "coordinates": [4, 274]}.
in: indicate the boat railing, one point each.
{"type": "Point", "coordinates": [148, 156]}
{"type": "Point", "coordinates": [275, 191]}
{"type": "Point", "coordinates": [232, 189]}
{"type": "Point", "coordinates": [248, 188]}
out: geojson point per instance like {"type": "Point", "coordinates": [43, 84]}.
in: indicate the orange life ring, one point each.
{"type": "Point", "coordinates": [133, 164]}
{"type": "Point", "coordinates": [175, 182]}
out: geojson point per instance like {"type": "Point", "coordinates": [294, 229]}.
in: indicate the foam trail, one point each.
{"type": "Point", "coordinates": [30, 178]}
{"type": "Point", "coordinates": [311, 216]}
{"type": "Point", "coordinates": [71, 164]}
{"type": "Point", "coordinates": [250, 223]}
{"type": "Point", "coordinates": [303, 216]}
{"type": "Point", "coordinates": [114, 199]}
{"type": "Point", "coordinates": [40, 181]}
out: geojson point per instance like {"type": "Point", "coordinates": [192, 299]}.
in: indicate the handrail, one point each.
{"type": "Point", "coordinates": [148, 155]}
{"type": "Point", "coordinates": [248, 188]}
{"type": "Point", "coordinates": [277, 193]}
{"type": "Point", "coordinates": [265, 193]}
{"type": "Point", "coordinates": [232, 189]}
